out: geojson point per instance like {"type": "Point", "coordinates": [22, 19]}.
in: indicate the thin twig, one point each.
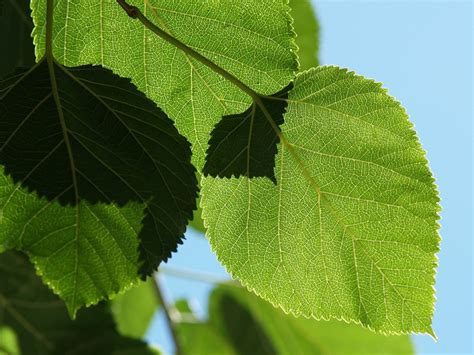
{"type": "Point", "coordinates": [196, 276]}
{"type": "Point", "coordinates": [168, 314]}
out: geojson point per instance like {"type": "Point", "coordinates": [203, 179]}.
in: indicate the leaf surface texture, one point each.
{"type": "Point", "coordinates": [350, 229]}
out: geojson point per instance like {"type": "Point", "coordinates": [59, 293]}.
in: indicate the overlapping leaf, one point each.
{"type": "Point", "coordinates": [87, 153]}
{"type": "Point", "coordinates": [252, 39]}
{"type": "Point", "coordinates": [40, 322]}
{"type": "Point", "coordinates": [350, 230]}
{"type": "Point", "coordinates": [307, 33]}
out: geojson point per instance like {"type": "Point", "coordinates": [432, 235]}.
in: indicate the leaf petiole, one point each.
{"type": "Point", "coordinates": [135, 13]}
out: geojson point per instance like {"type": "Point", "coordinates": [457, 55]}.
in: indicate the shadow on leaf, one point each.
{"type": "Point", "coordinates": [245, 144]}
{"type": "Point", "coordinates": [85, 134]}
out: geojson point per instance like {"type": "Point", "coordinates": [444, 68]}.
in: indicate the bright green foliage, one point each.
{"type": "Point", "coordinates": [41, 323]}
{"type": "Point", "coordinates": [252, 39]}
{"type": "Point", "coordinates": [350, 229]}
{"type": "Point", "coordinates": [104, 150]}
{"type": "Point", "coordinates": [347, 229]}
{"type": "Point", "coordinates": [307, 33]}
{"type": "Point", "coordinates": [203, 339]}
{"type": "Point", "coordinates": [82, 265]}
{"type": "Point", "coordinates": [230, 306]}
{"type": "Point", "coordinates": [134, 310]}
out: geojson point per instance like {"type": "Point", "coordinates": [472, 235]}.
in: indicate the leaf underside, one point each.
{"type": "Point", "coordinates": [246, 144]}
{"type": "Point", "coordinates": [90, 151]}
{"type": "Point", "coordinates": [350, 229]}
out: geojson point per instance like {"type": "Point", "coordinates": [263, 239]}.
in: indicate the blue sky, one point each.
{"type": "Point", "coordinates": [422, 52]}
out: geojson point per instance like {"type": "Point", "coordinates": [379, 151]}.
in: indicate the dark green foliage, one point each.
{"type": "Point", "coordinates": [15, 36]}
{"type": "Point", "coordinates": [41, 322]}
{"type": "Point", "coordinates": [74, 134]}
{"type": "Point", "coordinates": [246, 144]}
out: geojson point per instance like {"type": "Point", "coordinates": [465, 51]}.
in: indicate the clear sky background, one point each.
{"type": "Point", "coordinates": [423, 53]}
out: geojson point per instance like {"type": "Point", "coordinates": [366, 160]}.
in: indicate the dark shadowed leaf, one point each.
{"type": "Point", "coordinates": [245, 144]}
{"type": "Point", "coordinates": [84, 136]}
{"type": "Point", "coordinates": [41, 323]}
{"type": "Point", "coordinates": [15, 35]}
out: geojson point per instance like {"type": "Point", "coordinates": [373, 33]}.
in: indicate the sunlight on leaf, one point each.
{"type": "Point", "coordinates": [350, 230]}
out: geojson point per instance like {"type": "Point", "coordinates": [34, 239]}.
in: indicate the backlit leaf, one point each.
{"type": "Point", "coordinates": [252, 39]}
{"type": "Point", "coordinates": [350, 229]}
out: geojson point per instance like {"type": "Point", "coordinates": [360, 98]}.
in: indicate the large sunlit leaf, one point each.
{"type": "Point", "coordinates": [350, 229]}
{"type": "Point", "coordinates": [252, 39]}
{"type": "Point", "coordinates": [84, 154]}
{"type": "Point", "coordinates": [279, 333]}
{"type": "Point", "coordinates": [40, 322]}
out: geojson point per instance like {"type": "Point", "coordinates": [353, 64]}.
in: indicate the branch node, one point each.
{"type": "Point", "coordinates": [132, 11]}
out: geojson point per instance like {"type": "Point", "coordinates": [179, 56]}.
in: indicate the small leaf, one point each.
{"type": "Point", "coordinates": [87, 140]}
{"type": "Point", "coordinates": [350, 229]}
{"type": "Point", "coordinates": [41, 323]}
{"type": "Point", "coordinates": [246, 144]}
{"type": "Point", "coordinates": [134, 310]}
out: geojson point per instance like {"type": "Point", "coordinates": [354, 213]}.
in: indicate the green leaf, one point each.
{"type": "Point", "coordinates": [245, 144]}
{"type": "Point", "coordinates": [97, 153]}
{"type": "Point", "coordinates": [134, 310]}
{"type": "Point", "coordinates": [41, 322]}
{"type": "Point", "coordinates": [350, 230]}
{"type": "Point", "coordinates": [307, 33]}
{"type": "Point", "coordinates": [15, 40]}
{"type": "Point", "coordinates": [230, 307]}
{"type": "Point", "coordinates": [251, 39]}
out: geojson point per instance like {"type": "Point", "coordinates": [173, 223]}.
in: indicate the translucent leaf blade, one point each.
{"type": "Point", "coordinates": [252, 39]}
{"type": "Point", "coordinates": [350, 230]}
